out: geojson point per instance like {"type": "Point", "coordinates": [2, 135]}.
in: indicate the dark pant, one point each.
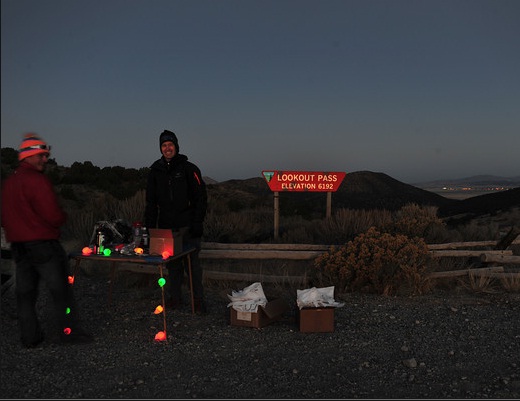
{"type": "Point", "coordinates": [37, 260]}
{"type": "Point", "coordinates": [177, 268]}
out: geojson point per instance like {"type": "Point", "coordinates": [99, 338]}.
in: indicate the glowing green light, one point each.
{"type": "Point", "coordinates": [107, 252]}
{"type": "Point", "coordinates": [67, 310]}
{"type": "Point", "coordinates": [161, 282]}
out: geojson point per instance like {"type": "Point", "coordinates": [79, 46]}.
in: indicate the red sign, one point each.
{"type": "Point", "coordinates": [301, 181]}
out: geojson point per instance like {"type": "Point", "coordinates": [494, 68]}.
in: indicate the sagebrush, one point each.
{"type": "Point", "coordinates": [376, 262]}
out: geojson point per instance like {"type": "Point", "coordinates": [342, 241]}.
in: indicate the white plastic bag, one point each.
{"type": "Point", "coordinates": [248, 299]}
{"type": "Point", "coordinates": [317, 298]}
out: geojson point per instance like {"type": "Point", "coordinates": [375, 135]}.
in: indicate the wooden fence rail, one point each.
{"type": "Point", "coordinates": [471, 253]}
{"type": "Point", "coordinates": [468, 244]}
{"type": "Point", "coordinates": [496, 258]}
{"type": "Point", "coordinates": [212, 250]}
{"type": "Point", "coordinates": [464, 272]}
{"type": "Point", "coordinates": [309, 252]}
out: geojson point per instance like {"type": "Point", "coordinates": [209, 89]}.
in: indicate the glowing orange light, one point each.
{"type": "Point", "coordinates": [158, 310]}
{"type": "Point", "coordinates": [86, 251]}
{"type": "Point", "coordinates": [160, 336]}
{"type": "Point", "coordinates": [139, 251]}
{"type": "Point", "coordinates": [165, 255]}
{"type": "Point", "coordinates": [71, 280]}
{"type": "Point", "coordinates": [67, 331]}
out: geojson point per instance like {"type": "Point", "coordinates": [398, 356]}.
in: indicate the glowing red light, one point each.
{"type": "Point", "coordinates": [67, 331]}
{"type": "Point", "coordinates": [165, 255]}
{"type": "Point", "coordinates": [160, 336]}
{"type": "Point", "coordinates": [86, 251]}
{"type": "Point", "coordinates": [71, 280]}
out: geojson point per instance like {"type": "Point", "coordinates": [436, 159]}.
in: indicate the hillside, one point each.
{"type": "Point", "coordinates": [369, 190]}
{"type": "Point", "coordinates": [484, 204]}
{"type": "Point", "coordinates": [363, 190]}
{"type": "Point", "coordinates": [359, 190]}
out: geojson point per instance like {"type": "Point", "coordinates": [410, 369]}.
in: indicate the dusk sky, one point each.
{"type": "Point", "coordinates": [420, 89]}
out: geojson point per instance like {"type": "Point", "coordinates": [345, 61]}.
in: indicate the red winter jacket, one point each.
{"type": "Point", "coordinates": [30, 208]}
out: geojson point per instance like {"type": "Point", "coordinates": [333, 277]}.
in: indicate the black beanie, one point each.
{"type": "Point", "coordinates": [169, 136]}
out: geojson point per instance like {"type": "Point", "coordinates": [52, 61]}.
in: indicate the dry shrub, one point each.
{"type": "Point", "coordinates": [345, 224]}
{"type": "Point", "coordinates": [476, 230]}
{"type": "Point", "coordinates": [79, 226]}
{"type": "Point", "coordinates": [413, 220]}
{"type": "Point", "coordinates": [237, 227]}
{"type": "Point", "coordinates": [130, 209]}
{"type": "Point", "coordinates": [296, 231]}
{"type": "Point", "coordinates": [103, 206]}
{"type": "Point", "coordinates": [376, 262]}
{"type": "Point", "coordinates": [479, 283]}
{"type": "Point", "coordinates": [511, 284]}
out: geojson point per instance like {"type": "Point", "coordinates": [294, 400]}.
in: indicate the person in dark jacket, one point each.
{"type": "Point", "coordinates": [176, 199]}
{"type": "Point", "coordinates": [32, 217]}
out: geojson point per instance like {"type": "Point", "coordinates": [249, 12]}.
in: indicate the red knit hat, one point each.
{"type": "Point", "coordinates": [32, 145]}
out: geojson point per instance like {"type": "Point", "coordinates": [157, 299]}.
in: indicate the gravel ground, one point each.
{"type": "Point", "coordinates": [442, 345]}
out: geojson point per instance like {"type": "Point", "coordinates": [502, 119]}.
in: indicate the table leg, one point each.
{"type": "Point", "coordinates": [75, 270]}
{"type": "Point", "coordinates": [112, 279]}
{"type": "Point", "coordinates": [191, 285]}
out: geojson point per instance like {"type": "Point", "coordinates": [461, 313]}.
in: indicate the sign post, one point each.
{"type": "Point", "coordinates": [301, 181]}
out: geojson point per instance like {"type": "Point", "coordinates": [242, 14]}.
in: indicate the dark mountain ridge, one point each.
{"type": "Point", "coordinates": [368, 190]}
{"type": "Point", "coordinates": [484, 204]}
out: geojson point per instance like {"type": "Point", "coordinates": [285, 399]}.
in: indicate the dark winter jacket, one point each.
{"type": "Point", "coordinates": [175, 195]}
{"type": "Point", "coordinates": [30, 208]}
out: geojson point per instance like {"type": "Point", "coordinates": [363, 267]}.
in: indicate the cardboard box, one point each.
{"type": "Point", "coordinates": [316, 320]}
{"type": "Point", "coordinates": [265, 315]}
{"type": "Point", "coordinates": [163, 239]}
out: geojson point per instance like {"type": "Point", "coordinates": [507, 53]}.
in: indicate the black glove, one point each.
{"type": "Point", "coordinates": [196, 229]}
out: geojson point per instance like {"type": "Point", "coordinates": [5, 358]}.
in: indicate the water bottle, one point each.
{"type": "Point", "coordinates": [100, 243]}
{"type": "Point", "coordinates": [137, 233]}
{"type": "Point", "coordinates": [146, 239]}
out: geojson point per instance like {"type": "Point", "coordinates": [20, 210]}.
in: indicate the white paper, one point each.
{"type": "Point", "coordinates": [248, 299]}
{"type": "Point", "coordinates": [317, 298]}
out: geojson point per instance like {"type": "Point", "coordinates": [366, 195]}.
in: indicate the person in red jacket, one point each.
{"type": "Point", "coordinates": [32, 217]}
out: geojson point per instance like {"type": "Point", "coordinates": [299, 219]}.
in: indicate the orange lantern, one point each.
{"type": "Point", "coordinates": [158, 310]}
{"type": "Point", "coordinates": [86, 251]}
